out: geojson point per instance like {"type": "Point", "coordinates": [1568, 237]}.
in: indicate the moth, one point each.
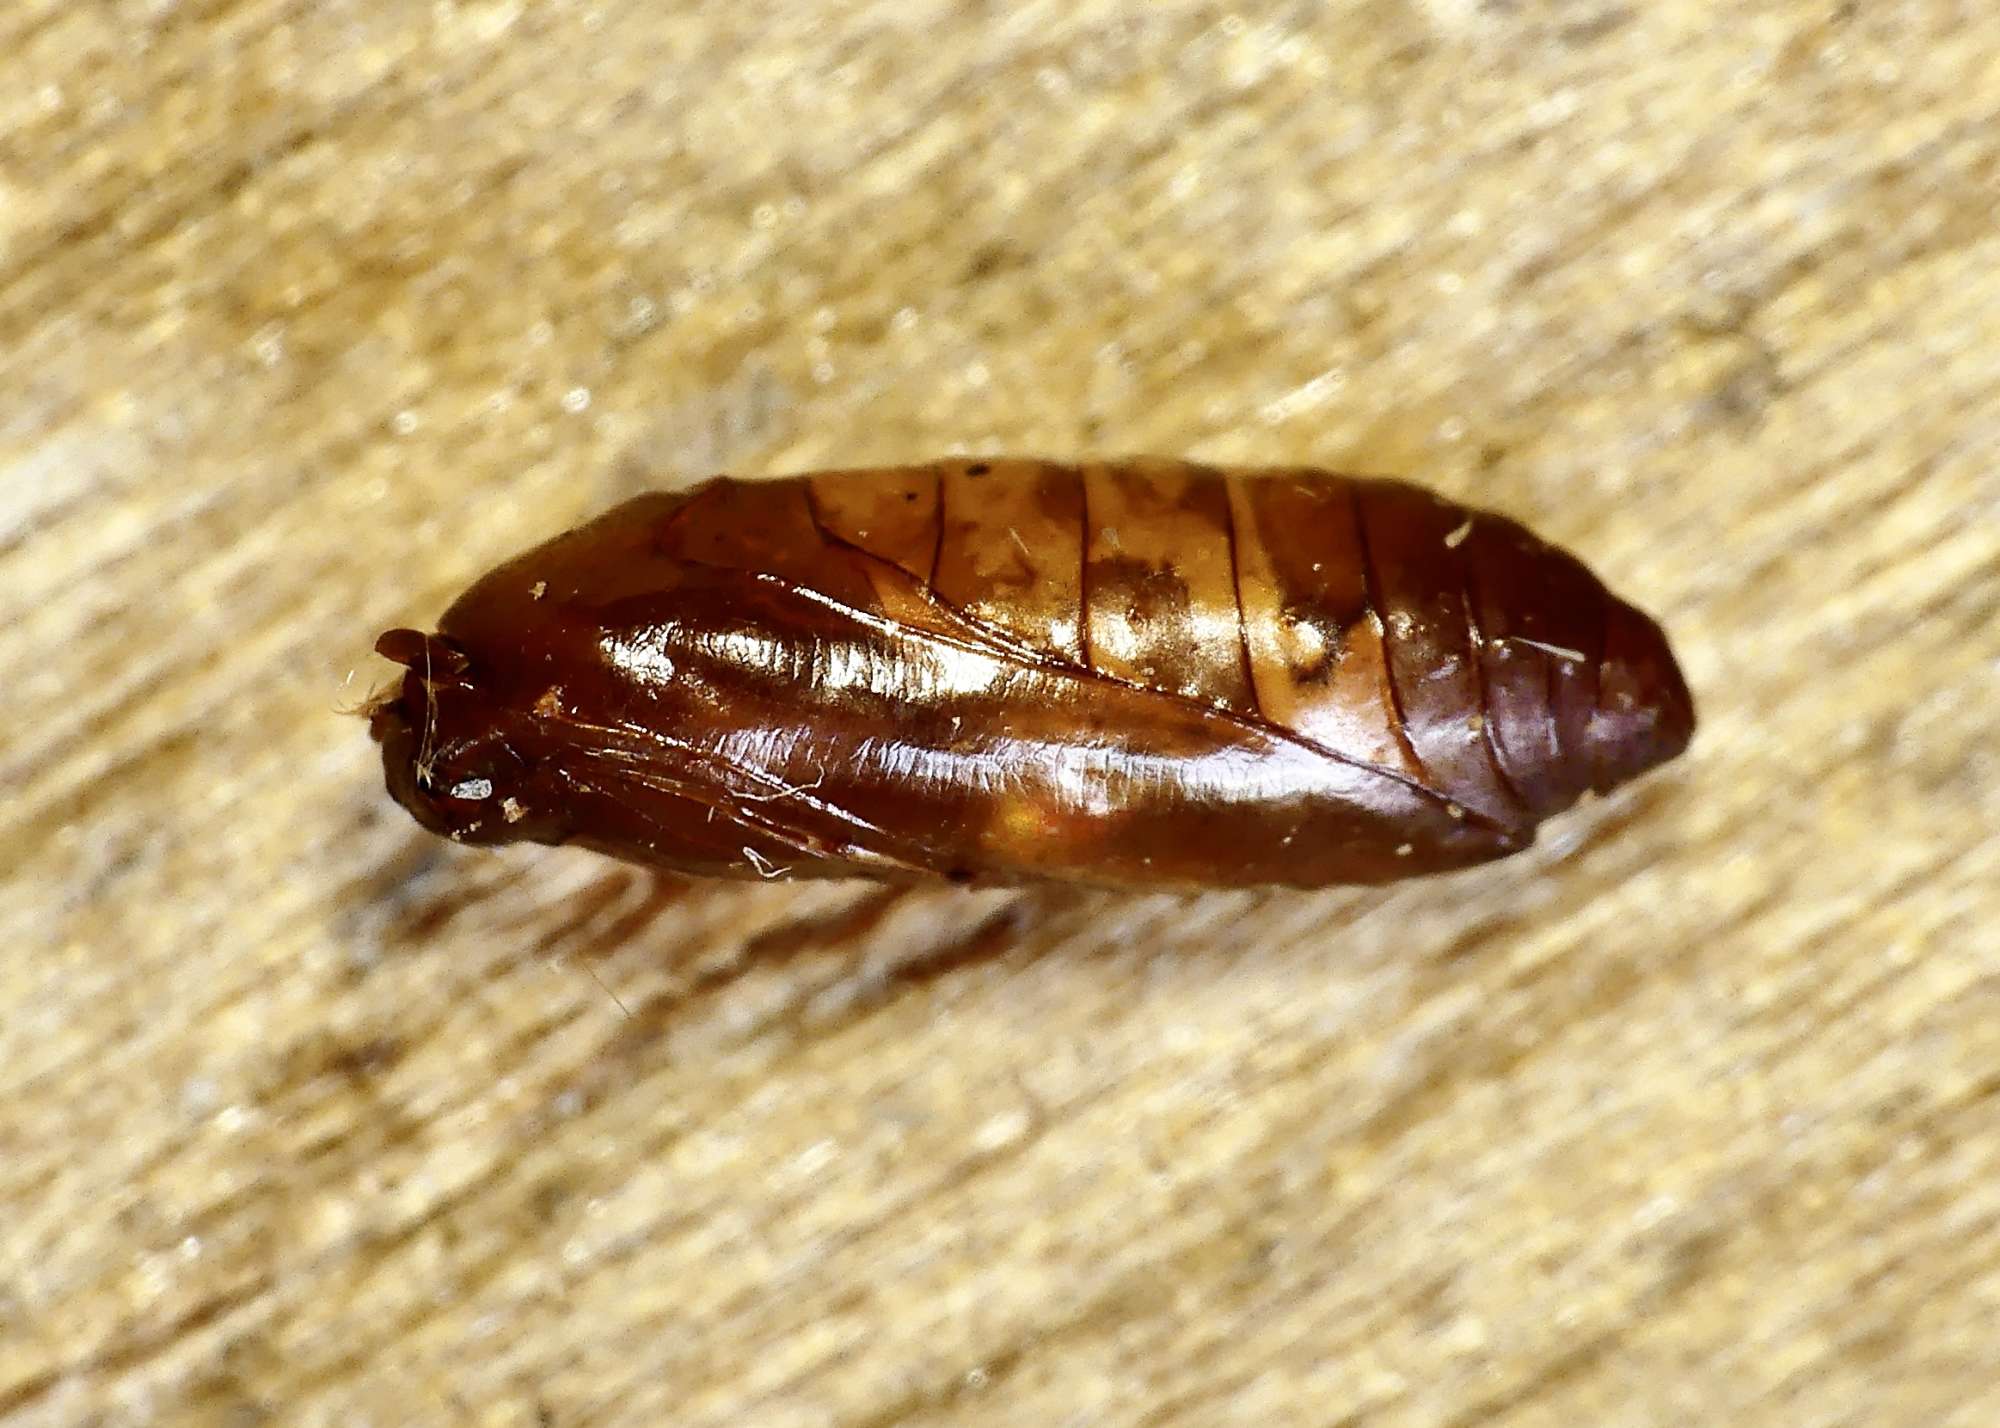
{"type": "Point", "coordinates": [1139, 673]}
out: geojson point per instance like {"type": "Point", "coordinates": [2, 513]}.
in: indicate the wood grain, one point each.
{"type": "Point", "coordinates": [308, 313]}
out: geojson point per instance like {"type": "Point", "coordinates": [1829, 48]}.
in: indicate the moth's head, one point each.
{"type": "Point", "coordinates": [456, 753]}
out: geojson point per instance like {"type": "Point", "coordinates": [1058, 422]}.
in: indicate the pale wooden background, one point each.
{"type": "Point", "coordinates": [310, 311]}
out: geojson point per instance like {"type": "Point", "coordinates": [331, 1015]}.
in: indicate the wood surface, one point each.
{"type": "Point", "coordinates": [309, 312]}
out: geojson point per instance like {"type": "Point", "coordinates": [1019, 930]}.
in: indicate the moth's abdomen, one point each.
{"type": "Point", "coordinates": [1133, 672]}
{"type": "Point", "coordinates": [1369, 617]}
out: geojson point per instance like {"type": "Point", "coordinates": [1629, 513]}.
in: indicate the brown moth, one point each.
{"type": "Point", "coordinates": [1135, 673]}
